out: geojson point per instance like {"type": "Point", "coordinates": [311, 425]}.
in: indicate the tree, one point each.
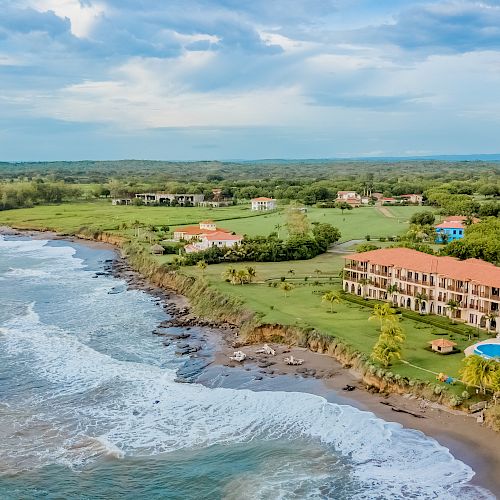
{"type": "Point", "coordinates": [326, 233]}
{"type": "Point", "coordinates": [230, 274]}
{"type": "Point", "coordinates": [491, 316]}
{"type": "Point", "coordinates": [286, 287]}
{"type": "Point", "coordinates": [366, 247]}
{"type": "Point", "coordinates": [251, 273]}
{"type": "Point", "coordinates": [452, 307]}
{"type": "Point", "coordinates": [278, 227]}
{"type": "Point", "coordinates": [342, 205]}
{"type": "Point", "coordinates": [332, 298]}
{"type": "Point", "coordinates": [419, 300]}
{"type": "Point", "coordinates": [392, 332]}
{"type": "Point", "coordinates": [480, 372]}
{"type": "Point", "coordinates": [391, 290]}
{"type": "Point", "coordinates": [383, 313]}
{"type": "Point", "coordinates": [385, 352]}
{"type": "Point", "coordinates": [424, 218]}
{"type": "Point", "coordinates": [201, 265]}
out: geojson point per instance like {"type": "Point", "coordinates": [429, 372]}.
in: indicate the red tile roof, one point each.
{"type": "Point", "coordinates": [222, 236]}
{"type": "Point", "coordinates": [195, 230]}
{"type": "Point", "coordinates": [262, 199]}
{"type": "Point", "coordinates": [476, 270]}
{"type": "Point", "coordinates": [452, 224]}
{"type": "Point", "coordinates": [442, 343]}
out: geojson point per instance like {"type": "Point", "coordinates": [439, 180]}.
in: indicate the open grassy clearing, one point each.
{"type": "Point", "coordinates": [101, 215]}
{"type": "Point", "coordinates": [69, 217]}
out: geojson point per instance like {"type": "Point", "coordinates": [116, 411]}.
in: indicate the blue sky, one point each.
{"type": "Point", "coordinates": [226, 79]}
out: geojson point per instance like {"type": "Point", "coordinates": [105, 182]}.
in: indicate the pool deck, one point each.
{"type": "Point", "coordinates": [470, 350]}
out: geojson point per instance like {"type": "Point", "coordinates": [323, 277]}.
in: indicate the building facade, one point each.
{"type": "Point", "coordinates": [171, 199]}
{"type": "Point", "coordinates": [468, 291]}
{"type": "Point", "coordinates": [449, 231]}
{"type": "Point", "coordinates": [263, 204]}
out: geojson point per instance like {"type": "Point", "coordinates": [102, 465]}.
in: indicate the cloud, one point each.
{"type": "Point", "coordinates": [318, 70]}
{"type": "Point", "coordinates": [456, 26]}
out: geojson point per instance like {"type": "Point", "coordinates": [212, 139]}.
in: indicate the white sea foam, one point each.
{"type": "Point", "coordinates": [138, 409]}
{"type": "Point", "coordinates": [27, 273]}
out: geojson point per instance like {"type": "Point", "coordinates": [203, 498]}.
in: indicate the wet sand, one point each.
{"type": "Point", "coordinates": [468, 441]}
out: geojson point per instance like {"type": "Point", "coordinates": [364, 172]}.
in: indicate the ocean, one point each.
{"type": "Point", "coordinates": [90, 407]}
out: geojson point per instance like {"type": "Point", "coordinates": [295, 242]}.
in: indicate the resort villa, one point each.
{"type": "Point", "coordinates": [467, 290]}
{"type": "Point", "coordinates": [352, 198]}
{"type": "Point", "coordinates": [263, 204]}
{"type": "Point", "coordinates": [452, 228]}
{"type": "Point", "coordinates": [205, 235]}
{"type": "Point", "coordinates": [171, 199]}
{"type": "Point", "coordinates": [414, 199]}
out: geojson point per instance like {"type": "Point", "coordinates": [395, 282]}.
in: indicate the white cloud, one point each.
{"type": "Point", "coordinates": [82, 15]}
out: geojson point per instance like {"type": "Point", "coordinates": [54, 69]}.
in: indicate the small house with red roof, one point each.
{"type": "Point", "coordinates": [263, 204]}
{"type": "Point", "coordinates": [452, 228]}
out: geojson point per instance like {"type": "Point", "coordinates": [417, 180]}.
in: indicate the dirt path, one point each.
{"type": "Point", "coordinates": [385, 211]}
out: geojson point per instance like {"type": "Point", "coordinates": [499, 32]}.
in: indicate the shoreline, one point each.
{"type": "Point", "coordinates": [473, 444]}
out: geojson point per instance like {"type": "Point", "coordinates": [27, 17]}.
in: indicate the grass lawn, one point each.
{"type": "Point", "coordinates": [69, 217]}
{"type": "Point", "coordinates": [349, 322]}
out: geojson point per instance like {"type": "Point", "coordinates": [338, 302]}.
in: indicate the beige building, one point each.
{"type": "Point", "coordinates": [263, 204]}
{"type": "Point", "coordinates": [468, 291]}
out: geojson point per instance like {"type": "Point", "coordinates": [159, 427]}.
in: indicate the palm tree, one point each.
{"type": "Point", "coordinates": [201, 265]}
{"type": "Point", "coordinates": [251, 273]}
{"type": "Point", "coordinates": [419, 299]}
{"type": "Point", "coordinates": [242, 277]}
{"type": "Point", "coordinates": [385, 352]}
{"type": "Point", "coordinates": [480, 372]}
{"type": "Point", "coordinates": [391, 290]}
{"type": "Point", "coordinates": [291, 272]}
{"type": "Point", "coordinates": [392, 332]}
{"type": "Point", "coordinates": [363, 282]}
{"type": "Point", "coordinates": [333, 298]}
{"type": "Point", "coordinates": [278, 227]}
{"type": "Point", "coordinates": [317, 272]}
{"type": "Point", "coordinates": [491, 316]}
{"type": "Point", "coordinates": [230, 274]}
{"type": "Point", "coordinates": [383, 313]}
{"type": "Point", "coordinates": [286, 287]}
{"type": "Point", "coordinates": [452, 306]}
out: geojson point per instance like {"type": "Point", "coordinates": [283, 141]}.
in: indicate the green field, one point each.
{"type": "Point", "coordinates": [69, 217]}
{"type": "Point", "coordinates": [303, 308]}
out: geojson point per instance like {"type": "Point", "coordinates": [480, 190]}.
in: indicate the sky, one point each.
{"type": "Point", "coordinates": [234, 79]}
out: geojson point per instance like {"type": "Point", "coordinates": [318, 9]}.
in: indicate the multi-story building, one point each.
{"type": "Point", "coordinates": [263, 203]}
{"type": "Point", "coordinates": [467, 290]}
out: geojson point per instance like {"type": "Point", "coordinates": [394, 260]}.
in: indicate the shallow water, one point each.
{"type": "Point", "coordinates": [89, 407]}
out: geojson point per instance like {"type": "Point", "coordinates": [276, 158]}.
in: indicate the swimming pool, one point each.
{"type": "Point", "coordinates": [490, 351]}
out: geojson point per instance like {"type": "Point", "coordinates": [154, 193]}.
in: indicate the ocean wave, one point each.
{"type": "Point", "coordinates": [136, 409]}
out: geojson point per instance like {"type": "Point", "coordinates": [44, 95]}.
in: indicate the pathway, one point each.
{"type": "Point", "coordinates": [385, 211]}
